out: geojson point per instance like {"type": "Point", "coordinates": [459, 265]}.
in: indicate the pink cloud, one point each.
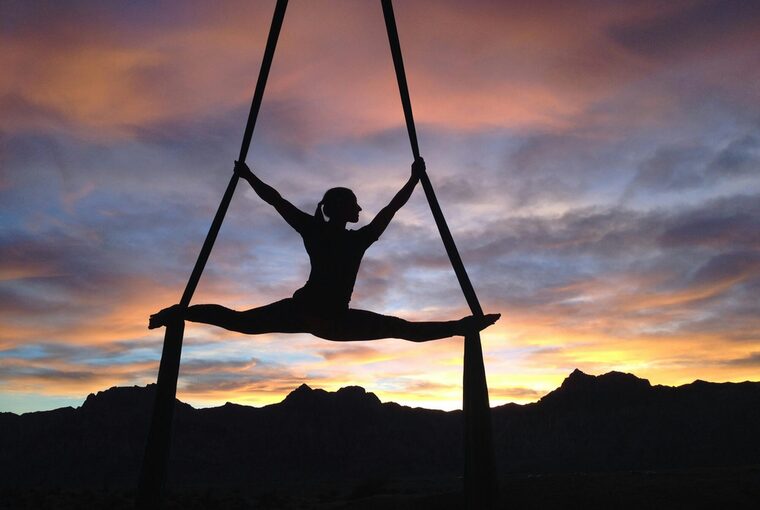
{"type": "Point", "coordinates": [490, 65]}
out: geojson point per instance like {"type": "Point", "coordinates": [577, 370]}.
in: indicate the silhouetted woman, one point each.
{"type": "Point", "coordinates": [321, 306]}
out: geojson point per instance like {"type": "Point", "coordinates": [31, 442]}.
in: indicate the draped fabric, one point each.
{"type": "Point", "coordinates": [479, 476]}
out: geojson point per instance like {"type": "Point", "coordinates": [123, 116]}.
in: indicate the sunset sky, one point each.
{"type": "Point", "coordinates": [598, 163]}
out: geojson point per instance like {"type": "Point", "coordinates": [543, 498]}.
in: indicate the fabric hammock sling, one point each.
{"type": "Point", "coordinates": [479, 467]}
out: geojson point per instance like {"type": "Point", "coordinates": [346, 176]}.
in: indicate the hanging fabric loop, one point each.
{"type": "Point", "coordinates": [152, 483]}
{"type": "Point", "coordinates": [480, 486]}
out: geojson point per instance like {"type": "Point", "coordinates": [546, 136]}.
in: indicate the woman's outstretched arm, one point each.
{"type": "Point", "coordinates": [295, 217]}
{"type": "Point", "coordinates": [378, 225]}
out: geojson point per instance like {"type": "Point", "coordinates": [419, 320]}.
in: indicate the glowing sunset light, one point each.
{"type": "Point", "coordinates": [599, 166]}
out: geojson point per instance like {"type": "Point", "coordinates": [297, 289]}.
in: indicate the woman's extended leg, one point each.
{"type": "Point", "coordinates": [280, 316]}
{"type": "Point", "coordinates": [356, 325]}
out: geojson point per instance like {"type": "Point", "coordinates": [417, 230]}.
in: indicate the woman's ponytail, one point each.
{"type": "Point", "coordinates": [318, 213]}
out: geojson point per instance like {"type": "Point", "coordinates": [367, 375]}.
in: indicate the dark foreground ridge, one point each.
{"type": "Point", "coordinates": [608, 423]}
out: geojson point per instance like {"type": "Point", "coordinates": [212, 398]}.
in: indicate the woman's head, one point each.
{"type": "Point", "coordinates": [339, 204]}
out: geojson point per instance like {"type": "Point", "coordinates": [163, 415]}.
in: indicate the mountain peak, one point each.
{"type": "Point", "coordinates": [577, 376]}
{"type": "Point", "coordinates": [351, 392]}
{"type": "Point", "coordinates": [614, 378]}
{"type": "Point", "coordinates": [581, 387]}
{"type": "Point", "coordinates": [119, 397]}
{"type": "Point", "coordinates": [346, 396]}
{"type": "Point", "coordinates": [304, 394]}
{"type": "Point", "coordinates": [357, 395]}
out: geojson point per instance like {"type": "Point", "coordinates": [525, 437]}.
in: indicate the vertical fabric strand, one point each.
{"type": "Point", "coordinates": [480, 485]}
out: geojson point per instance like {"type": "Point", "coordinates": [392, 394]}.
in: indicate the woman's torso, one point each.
{"type": "Point", "coordinates": [335, 255]}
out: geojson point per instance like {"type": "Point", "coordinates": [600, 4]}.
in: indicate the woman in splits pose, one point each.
{"type": "Point", "coordinates": [321, 306]}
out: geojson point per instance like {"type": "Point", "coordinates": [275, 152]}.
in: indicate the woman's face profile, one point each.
{"type": "Point", "coordinates": [343, 207]}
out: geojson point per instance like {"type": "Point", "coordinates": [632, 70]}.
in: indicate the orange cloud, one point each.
{"type": "Point", "coordinates": [485, 66]}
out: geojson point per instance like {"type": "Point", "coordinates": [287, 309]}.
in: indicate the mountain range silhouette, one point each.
{"type": "Point", "coordinates": [605, 423]}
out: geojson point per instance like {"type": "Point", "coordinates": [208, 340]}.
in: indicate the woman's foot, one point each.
{"type": "Point", "coordinates": [475, 323]}
{"type": "Point", "coordinates": [165, 316]}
